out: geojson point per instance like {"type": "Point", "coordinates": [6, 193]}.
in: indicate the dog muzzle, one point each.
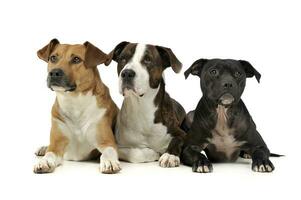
{"type": "Point", "coordinates": [226, 99]}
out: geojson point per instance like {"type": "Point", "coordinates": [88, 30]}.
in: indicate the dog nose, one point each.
{"type": "Point", "coordinates": [128, 74]}
{"type": "Point", "coordinates": [56, 73]}
{"type": "Point", "coordinates": [228, 85]}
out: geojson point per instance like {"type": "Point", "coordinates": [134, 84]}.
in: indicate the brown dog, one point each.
{"type": "Point", "coordinates": [83, 113]}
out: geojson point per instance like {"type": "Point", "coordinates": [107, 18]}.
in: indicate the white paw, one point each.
{"type": "Point", "coordinates": [44, 166]}
{"type": "Point", "coordinates": [108, 166]}
{"type": "Point", "coordinates": [109, 163]}
{"type": "Point", "coordinates": [169, 160]}
{"type": "Point", "coordinates": [41, 151]}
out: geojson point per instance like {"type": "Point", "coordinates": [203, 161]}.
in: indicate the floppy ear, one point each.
{"type": "Point", "coordinates": [93, 56]}
{"type": "Point", "coordinates": [250, 70]}
{"type": "Point", "coordinates": [45, 52]}
{"type": "Point", "coordinates": [195, 68]}
{"type": "Point", "coordinates": [113, 55]}
{"type": "Point", "coordinates": [169, 59]}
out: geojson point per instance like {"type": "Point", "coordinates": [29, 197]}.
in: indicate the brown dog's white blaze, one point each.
{"type": "Point", "coordinates": [87, 112]}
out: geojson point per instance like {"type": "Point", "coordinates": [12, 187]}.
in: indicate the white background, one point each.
{"type": "Point", "coordinates": [266, 33]}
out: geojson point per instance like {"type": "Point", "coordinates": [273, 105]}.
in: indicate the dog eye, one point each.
{"type": "Point", "coordinates": [122, 61]}
{"type": "Point", "coordinates": [213, 72]}
{"type": "Point", "coordinates": [237, 74]}
{"type": "Point", "coordinates": [76, 60]}
{"type": "Point", "coordinates": [53, 59]}
{"type": "Point", "coordinates": [147, 60]}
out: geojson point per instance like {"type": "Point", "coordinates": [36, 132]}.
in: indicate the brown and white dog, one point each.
{"type": "Point", "coordinates": [148, 125]}
{"type": "Point", "coordinates": [83, 114]}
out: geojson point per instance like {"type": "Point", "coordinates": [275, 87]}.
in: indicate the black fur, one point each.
{"type": "Point", "coordinates": [222, 84]}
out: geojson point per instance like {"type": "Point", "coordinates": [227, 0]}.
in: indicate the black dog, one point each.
{"type": "Point", "coordinates": [221, 124]}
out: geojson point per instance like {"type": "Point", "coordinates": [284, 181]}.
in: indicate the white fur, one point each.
{"type": "Point", "coordinates": [109, 161]}
{"type": "Point", "coordinates": [81, 116]}
{"type": "Point", "coordinates": [48, 163]}
{"type": "Point", "coordinates": [136, 127]}
{"type": "Point", "coordinates": [169, 160]}
{"type": "Point", "coordinates": [138, 155]}
{"type": "Point", "coordinates": [203, 169]}
{"type": "Point", "coordinates": [222, 135]}
{"type": "Point", "coordinates": [262, 168]}
{"type": "Point", "coordinates": [41, 151]}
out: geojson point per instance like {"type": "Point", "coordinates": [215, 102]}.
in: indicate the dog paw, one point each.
{"type": "Point", "coordinates": [44, 166]}
{"type": "Point", "coordinates": [109, 166]}
{"type": "Point", "coordinates": [109, 163]}
{"type": "Point", "coordinates": [202, 166]}
{"type": "Point", "coordinates": [262, 165]}
{"type": "Point", "coordinates": [245, 155]}
{"type": "Point", "coordinates": [169, 160]}
{"type": "Point", "coordinates": [41, 151]}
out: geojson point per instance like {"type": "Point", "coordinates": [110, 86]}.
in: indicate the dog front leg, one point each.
{"type": "Point", "coordinates": [54, 154]}
{"type": "Point", "coordinates": [109, 163]}
{"type": "Point", "coordinates": [259, 153]}
{"type": "Point", "coordinates": [192, 156]}
{"type": "Point", "coordinates": [261, 161]}
{"type": "Point", "coordinates": [171, 158]}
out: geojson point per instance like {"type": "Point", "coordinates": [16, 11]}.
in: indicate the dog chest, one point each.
{"type": "Point", "coordinates": [136, 128]}
{"type": "Point", "coordinates": [222, 136]}
{"type": "Point", "coordinates": [81, 116]}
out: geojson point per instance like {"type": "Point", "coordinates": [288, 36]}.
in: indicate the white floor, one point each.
{"type": "Point", "coordinates": [241, 167]}
{"type": "Point", "coordinates": [74, 180]}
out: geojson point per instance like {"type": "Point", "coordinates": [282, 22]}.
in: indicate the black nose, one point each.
{"type": "Point", "coordinates": [228, 85]}
{"type": "Point", "coordinates": [128, 74]}
{"type": "Point", "coordinates": [56, 73]}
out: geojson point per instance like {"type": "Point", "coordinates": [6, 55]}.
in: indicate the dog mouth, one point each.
{"type": "Point", "coordinates": [128, 91]}
{"type": "Point", "coordinates": [61, 84]}
{"type": "Point", "coordinates": [60, 88]}
{"type": "Point", "coordinates": [226, 99]}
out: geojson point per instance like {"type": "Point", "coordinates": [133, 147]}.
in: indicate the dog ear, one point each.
{"type": "Point", "coordinates": [196, 68]}
{"type": "Point", "coordinates": [94, 56]}
{"type": "Point", "coordinates": [169, 59]}
{"type": "Point", "coordinates": [250, 70]}
{"type": "Point", "coordinates": [45, 52]}
{"type": "Point", "coordinates": [113, 55]}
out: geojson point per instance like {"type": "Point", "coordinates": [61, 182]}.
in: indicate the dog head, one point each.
{"type": "Point", "coordinates": [71, 67]}
{"type": "Point", "coordinates": [223, 80]}
{"type": "Point", "coordinates": [140, 67]}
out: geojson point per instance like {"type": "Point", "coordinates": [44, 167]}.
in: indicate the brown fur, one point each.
{"type": "Point", "coordinates": [58, 141]}
{"type": "Point", "coordinates": [86, 77]}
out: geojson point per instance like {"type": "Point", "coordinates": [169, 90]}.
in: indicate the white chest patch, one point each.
{"type": "Point", "coordinates": [136, 127]}
{"type": "Point", "coordinates": [81, 116]}
{"type": "Point", "coordinates": [222, 135]}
